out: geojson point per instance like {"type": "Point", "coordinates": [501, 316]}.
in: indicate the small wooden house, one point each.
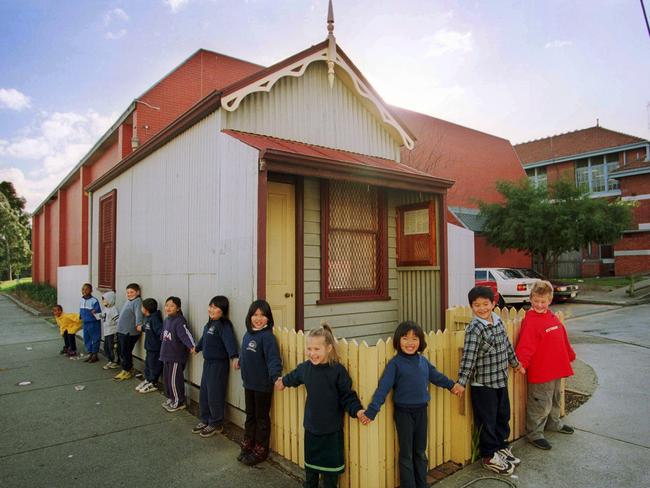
{"type": "Point", "coordinates": [286, 185]}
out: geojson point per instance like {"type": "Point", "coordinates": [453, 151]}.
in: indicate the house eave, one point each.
{"type": "Point", "coordinates": [598, 152]}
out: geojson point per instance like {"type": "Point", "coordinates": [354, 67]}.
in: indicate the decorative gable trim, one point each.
{"type": "Point", "coordinates": [230, 101]}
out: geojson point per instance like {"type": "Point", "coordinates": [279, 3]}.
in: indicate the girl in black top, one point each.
{"type": "Point", "coordinates": [329, 396]}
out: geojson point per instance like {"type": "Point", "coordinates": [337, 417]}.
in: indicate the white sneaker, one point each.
{"type": "Point", "coordinates": [141, 385]}
{"type": "Point", "coordinates": [166, 403]}
{"type": "Point", "coordinates": [148, 388]}
{"type": "Point", "coordinates": [507, 454]}
{"type": "Point", "coordinates": [498, 464]}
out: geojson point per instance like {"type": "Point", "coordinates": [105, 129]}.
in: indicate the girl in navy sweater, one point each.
{"type": "Point", "coordinates": [409, 374]}
{"type": "Point", "coordinates": [219, 345]}
{"type": "Point", "coordinates": [176, 342]}
{"type": "Point", "coordinates": [261, 365]}
{"type": "Point", "coordinates": [329, 396]}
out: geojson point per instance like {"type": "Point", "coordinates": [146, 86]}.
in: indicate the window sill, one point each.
{"type": "Point", "coordinates": [352, 299]}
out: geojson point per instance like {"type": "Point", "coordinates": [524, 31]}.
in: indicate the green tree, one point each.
{"type": "Point", "coordinates": [15, 253]}
{"type": "Point", "coordinates": [549, 221]}
{"type": "Point", "coordinates": [17, 203]}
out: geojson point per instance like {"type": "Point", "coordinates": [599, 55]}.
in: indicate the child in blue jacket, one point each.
{"type": "Point", "coordinates": [90, 313]}
{"type": "Point", "coordinates": [261, 366]}
{"type": "Point", "coordinates": [152, 328]}
{"type": "Point", "coordinates": [219, 348]}
{"type": "Point", "coordinates": [409, 374]}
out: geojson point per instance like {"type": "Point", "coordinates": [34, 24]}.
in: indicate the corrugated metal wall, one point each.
{"type": "Point", "coordinates": [186, 226]}
{"type": "Point", "coordinates": [306, 109]}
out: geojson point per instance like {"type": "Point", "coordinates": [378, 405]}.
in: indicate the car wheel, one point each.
{"type": "Point", "coordinates": [501, 303]}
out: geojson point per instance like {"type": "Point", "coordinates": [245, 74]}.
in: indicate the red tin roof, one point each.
{"type": "Point", "coordinates": [301, 158]}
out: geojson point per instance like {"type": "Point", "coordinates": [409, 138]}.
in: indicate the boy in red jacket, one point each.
{"type": "Point", "coordinates": [544, 350]}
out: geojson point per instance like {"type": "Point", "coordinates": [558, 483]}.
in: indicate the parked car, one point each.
{"type": "Point", "coordinates": [562, 291]}
{"type": "Point", "coordinates": [492, 284]}
{"type": "Point", "coordinates": [512, 286]}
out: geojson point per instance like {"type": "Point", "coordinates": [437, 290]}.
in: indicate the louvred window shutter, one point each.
{"type": "Point", "coordinates": [107, 214]}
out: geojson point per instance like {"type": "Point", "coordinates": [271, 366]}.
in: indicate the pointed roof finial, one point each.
{"type": "Point", "coordinates": [331, 47]}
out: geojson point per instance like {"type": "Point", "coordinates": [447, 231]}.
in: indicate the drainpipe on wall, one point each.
{"type": "Point", "coordinates": [90, 237]}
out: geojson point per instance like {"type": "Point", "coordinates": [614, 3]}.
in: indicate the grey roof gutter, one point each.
{"type": "Point", "coordinates": [84, 160]}
{"type": "Point", "coordinates": [596, 152]}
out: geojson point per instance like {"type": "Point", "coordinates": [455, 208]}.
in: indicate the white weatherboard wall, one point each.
{"type": "Point", "coordinates": [460, 277]}
{"type": "Point", "coordinates": [306, 109]}
{"type": "Point", "coordinates": [68, 286]}
{"type": "Point", "coordinates": [186, 226]}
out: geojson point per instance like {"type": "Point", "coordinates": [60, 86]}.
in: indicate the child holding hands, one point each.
{"type": "Point", "coordinates": [409, 374]}
{"type": "Point", "coordinates": [261, 366]}
{"type": "Point", "coordinates": [329, 396]}
{"type": "Point", "coordinates": [219, 348]}
{"type": "Point", "coordinates": [544, 350]}
{"type": "Point", "coordinates": [486, 354]}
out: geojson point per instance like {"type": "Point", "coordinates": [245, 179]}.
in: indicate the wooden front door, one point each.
{"type": "Point", "coordinates": [281, 253]}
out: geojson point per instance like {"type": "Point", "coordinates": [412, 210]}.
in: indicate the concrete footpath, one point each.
{"type": "Point", "coordinates": [106, 435]}
{"type": "Point", "coordinates": [611, 446]}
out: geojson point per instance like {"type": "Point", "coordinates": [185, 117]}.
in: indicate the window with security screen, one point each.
{"type": "Point", "coordinates": [354, 266]}
{"type": "Point", "coordinates": [106, 264]}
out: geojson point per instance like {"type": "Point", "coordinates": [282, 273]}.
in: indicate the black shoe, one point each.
{"type": "Point", "coordinates": [566, 429]}
{"type": "Point", "coordinates": [64, 351]}
{"type": "Point", "coordinates": [211, 430]}
{"type": "Point", "coordinates": [541, 444]}
{"type": "Point", "coordinates": [93, 358]}
{"type": "Point", "coordinates": [199, 427]}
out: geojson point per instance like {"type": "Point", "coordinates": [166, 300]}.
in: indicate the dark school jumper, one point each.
{"type": "Point", "coordinates": [176, 342]}
{"type": "Point", "coordinates": [260, 365]}
{"type": "Point", "coordinates": [409, 375]}
{"type": "Point", "coordinates": [219, 346]}
{"type": "Point", "coordinates": [329, 396]}
{"type": "Point", "coordinates": [89, 310]}
{"type": "Point", "coordinates": [153, 327]}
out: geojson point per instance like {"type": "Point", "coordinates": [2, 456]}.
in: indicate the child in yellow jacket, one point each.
{"type": "Point", "coordinates": [69, 324]}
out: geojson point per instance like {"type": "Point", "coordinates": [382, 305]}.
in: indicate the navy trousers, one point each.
{"type": "Point", "coordinates": [92, 336]}
{"type": "Point", "coordinates": [127, 343]}
{"type": "Point", "coordinates": [257, 427]}
{"type": "Point", "coordinates": [491, 408]}
{"type": "Point", "coordinates": [109, 346]}
{"type": "Point", "coordinates": [174, 382]}
{"type": "Point", "coordinates": [152, 366]}
{"type": "Point", "coordinates": [212, 400]}
{"type": "Point", "coordinates": [69, 341]}
{"type": "Point", "coordinates": [411, 424]}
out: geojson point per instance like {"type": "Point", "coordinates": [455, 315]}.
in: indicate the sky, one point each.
{"type": "Point", "coordinates": [518, 69]}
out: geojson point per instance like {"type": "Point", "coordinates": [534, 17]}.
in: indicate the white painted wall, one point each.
{"type": "Point", "coordinates": [186, 226]}
{"type": "Point", "coordinates": [69, 280]}
{"type": "Point", "coordinates": [460, 277]}
{"type": "Point", "coordinates": [306, 109]}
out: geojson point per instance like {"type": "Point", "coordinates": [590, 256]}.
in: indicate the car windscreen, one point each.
{"type": "Point", "coordinates": [510, 274]}
{"type": "Point", "coordinates": [530, 273]}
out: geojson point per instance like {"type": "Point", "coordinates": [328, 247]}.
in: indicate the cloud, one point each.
{"type": "Point", "coordinates": [56, 144]}
{"type": "Point", "coordinates": [13, 99]}
{"type": "Point", "coordinates": [115, 35]}
{"type": "Point", "coordinates": [176, 5]}
{"type": "Point", "coordinates": [446, 41]}
{"type": "Point", "coordinates": [557, 44]}
{"type": "Point", "coordinates": [115, 16]}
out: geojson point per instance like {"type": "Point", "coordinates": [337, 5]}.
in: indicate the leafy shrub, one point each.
{"type": "Point", "coordinates": [41, 292]}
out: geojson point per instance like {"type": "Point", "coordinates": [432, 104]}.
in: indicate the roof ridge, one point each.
{"type": "Point", "coordinates": [561, 134]}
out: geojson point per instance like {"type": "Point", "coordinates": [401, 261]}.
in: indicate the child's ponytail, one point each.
{"type": "Point", "coordinates": [326, 332]}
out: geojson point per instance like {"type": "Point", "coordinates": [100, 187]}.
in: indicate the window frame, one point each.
{"type": "Point", "coordinates": [381, 261]}
{"type": "Point", "coordinates": [107, 282]}
{"type": "Point", "coordinates": [603, 166]}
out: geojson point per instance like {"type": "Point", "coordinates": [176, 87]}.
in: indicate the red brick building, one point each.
{"type": "Point", "coordinates": [60, 223]}
{"type": "Point", "coordinates": [610, 165]}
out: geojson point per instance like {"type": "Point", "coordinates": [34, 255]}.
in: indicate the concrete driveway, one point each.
{"type": "Point", "coordinates": [106, 435]}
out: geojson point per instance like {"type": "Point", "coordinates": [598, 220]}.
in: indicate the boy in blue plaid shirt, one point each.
{"type": "Point", "coordinates": [486, 355]}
